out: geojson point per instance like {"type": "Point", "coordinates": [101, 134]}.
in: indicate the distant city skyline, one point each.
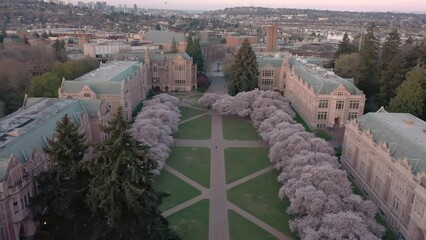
{"type": "Point", "coordinates": [360, 5]}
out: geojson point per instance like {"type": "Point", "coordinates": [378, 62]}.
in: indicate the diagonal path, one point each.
{"type": "Point", "coordinates": [258, 222]}
{"type": "Point", "coordinates": [249, 177]}
{"type": "Point", "coordinates": [192, 118]}
{"type": "Point", "coordinates": [219, 205]}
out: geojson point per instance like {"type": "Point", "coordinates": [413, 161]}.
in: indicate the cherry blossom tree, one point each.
{"type": "Point", "coordinates": [208, 99]}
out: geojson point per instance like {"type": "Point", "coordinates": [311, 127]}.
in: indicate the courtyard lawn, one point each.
{"type": "Point", "coordinates": [193, 162]}
{"type": "Point", "coordinates": [323, 135]}
{"type": "Point", "coordinates": [192, 223]}
{"type": "Point", "coordinates": [235, 128]}
{"type": "Point", "coordinates": [241, 228]}
{"type": "Point", "coordinates": [197, 129]}
{"type": "Point", "coordinates": [179, 191]}
{"type": "Point", "coordinates": [259, 197]}
{"type": "Point", "coordinates": [189, 112]}
{"type": "Point", "coordinates": [240, 162]}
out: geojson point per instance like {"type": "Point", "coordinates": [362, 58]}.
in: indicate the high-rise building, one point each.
{"type": "Point", "coordinates": [271, 37]}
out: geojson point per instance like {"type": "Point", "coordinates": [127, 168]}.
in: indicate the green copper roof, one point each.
{"type": "Point", "coordinates": [92, 106]}
{"type": "Point", "coordinates": [164, 37]}
{"type": "Point", "coordinates": [33, 125]}
{"type": "Point", "coordinates": [404, 133]}
{"type": "Point", "coordinates": [275, 62]}
{"type": "Point", "coordinates": [106, 79]}
{"type": "Point", "coordinates": [98, 88]}
{"type": "Point", "coordinates": [323, 81]}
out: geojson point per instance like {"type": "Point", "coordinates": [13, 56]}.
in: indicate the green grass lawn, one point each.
{"type": "Point", "coordinates": [323, 135]}
{"type": "Point", "coordinates": [259, 197]}
{"type": "Point", "coordinates": [193, 162]}
{"type": "Point", "coordinates": [192, 223]}
{"type": "Point", "coordinates": [241, 228]}
{"type": "Point", "coordinates": [300, 120]}
{"type": "Point", "coordinates": [179, 191]}
{"type": "Point", "coordinates": [235, 128]}
{"type": "Point", "coordinates": [197, 129]}
{"type": "Point", "coordinates": [240, 162]}
{"type": "Point", "coordinates": [189, 112]}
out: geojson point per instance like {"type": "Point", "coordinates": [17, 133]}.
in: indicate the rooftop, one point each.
{"type": "Point", "coordinates": [322, 80]}
{"type": "Point", "coordinates": [404, 133]}
{"type": "Point", "coordinates": [164, 57]}
{"type": "Point", "coordinates": [106, 79]}
{"type": "Point", "coordinates": [28, 128]}
{"type": "Point", "coordinates": [164, 37]}
{"type": "Point", "coordinates": [275, 62]}
{"type": "Point", "coordinates": [114, 71]}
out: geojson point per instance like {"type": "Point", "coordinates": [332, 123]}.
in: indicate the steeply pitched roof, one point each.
{"type": "Point", "coordinates": [28, 128]}
{"type": "Point", "coordinates": [404, 133]}
{"type": "Point", "coordinates": [164, 37]}
{"type": "Point", "coordinates": [323, 81]}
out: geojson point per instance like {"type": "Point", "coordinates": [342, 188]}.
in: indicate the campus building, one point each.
{"type": "Point", "coordinates": [385, 155]}
{"type": "Point", "coordinates": [165, 39]}
{"type": "Point", "coordinates": [271, 37]}
{"type": "Point", "coordinates": [271, 73]}
{"type": "Point", "coordinates": [104, 50]}
{"type": "Point", "coordinates": [23, 135]}
{"type": "Point", "coordinates": [119, 83]}
{"type": "Point", "coordinates": [170, 71]}
{"type": "Point", "coordinates": [322, 98]}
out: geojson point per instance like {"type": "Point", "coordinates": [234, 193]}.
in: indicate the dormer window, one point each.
{"type": "Point", "coordinates": [87, 95]}
{"type": "Point", "coordinates": [339, 93]}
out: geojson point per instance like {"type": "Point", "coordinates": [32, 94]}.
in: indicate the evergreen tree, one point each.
{"type": "Point", "coordinates": [121, 196]}
{"type": "Point", "coordinates": [244, 72]}
{"type": "Point", "coordinates": [45, 85]}
{"type": "Point", "coordinates": [59, 50]}
{"type": "Point", "coordinates": [62, 189]}
{"type": "Point", "coordinates": [174, 46]}
{"type": "Point", "coordinates": [368, 80]}
{"type": "Point", "coordinates": [345, 47]}
{"type": "Point", "coordinates": [198, 59]}
{"type": "Point", "coordinates": [411, 95]}
{"type": "Point", "coordinates": [392, 70]}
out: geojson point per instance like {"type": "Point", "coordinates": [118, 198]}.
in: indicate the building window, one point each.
{"type": "Point", "coordinates": [155, 69]}
{"type": "Point", "coordinates": [15, 207]}
{"type": "Point", "coordinates": [86, 94]}
{"type": "Point", "coordinates": [323, 104]}
{"type": "Point", "coordinates": [267, 73]}
{"type": "Point", "coordinates": [155, 79]}
{"type": "Point", "coordinates": [321, 125]}
{"type": "Point", "coordinates": [179, 67]}
{"type": "Point", "coordinates": [180, 81]}
{"type": "Point", "coordinates": [339, 93]}
{"type": "Point", "coordinates": [267, 82]}
{"type": "Point", "coordinates": [340, 104]}
{"type": "Point", "coordinates": [322, 115]}
{"type": "Point", "coordinates": [354, 104]}
{"type": "Point", "coordinates": [352, 115]}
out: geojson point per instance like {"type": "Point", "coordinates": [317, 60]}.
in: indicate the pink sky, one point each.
{"type": "Point", "coordinates": [357, 5]}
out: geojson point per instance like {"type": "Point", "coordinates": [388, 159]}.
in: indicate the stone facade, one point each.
{"type": "Point", "coordinates": [271, 73]}
{"type": "Point", "coordinates": [384, 154]}
{"type": "Point", "coordinates": [171, 72]}
{"type": "Point", "coordinates": [119, 83]}
{"type": "Point", "coordinates": [322, 98]}
{"type": "Point", "coordinates": [23, 135]}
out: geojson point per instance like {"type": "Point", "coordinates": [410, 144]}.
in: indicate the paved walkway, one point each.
{"type": "Point", "coordinates": [219, 205]}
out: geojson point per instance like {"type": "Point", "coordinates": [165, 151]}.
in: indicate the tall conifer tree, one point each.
{"type": "Point", "coordinates": [62, 189]}
{"type": "Point", "coordinates": [392, 67]}
{"type": "Point", "coordinates": [345, 47]}
{"type": "Point", "coordinates": [122, 197]}
{"type": "Point", "coordinates": [244, 72]}
{"type": "Point", "coordinates": [368, 80]}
